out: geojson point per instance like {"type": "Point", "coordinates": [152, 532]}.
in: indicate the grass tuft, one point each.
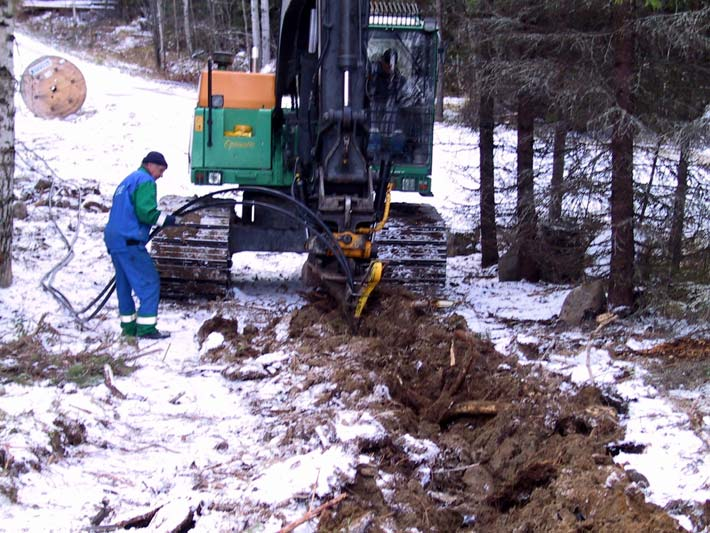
{"type": "Point", "coordinates": [27, 359]}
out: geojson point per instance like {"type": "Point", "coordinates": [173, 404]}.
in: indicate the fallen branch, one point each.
{"type": "Point", "coordinates": [455, 469]}
{"type": "Point", "coordinates": [140, 521]}
{"type": "Point", "coordinates": [108, 380]}
{"type": "Point", "coordinates": [313, 513]}
{"type": "Point", "coordinates": [142, 353]}
{"type": "Point", "coordinates": [470, 408]}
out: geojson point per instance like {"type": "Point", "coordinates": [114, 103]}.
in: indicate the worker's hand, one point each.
{"type": "Point", "coordinates": [170, 220]}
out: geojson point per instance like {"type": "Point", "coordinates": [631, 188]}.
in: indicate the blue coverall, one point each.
{"type": "Point", "coordinates": [133, 212]}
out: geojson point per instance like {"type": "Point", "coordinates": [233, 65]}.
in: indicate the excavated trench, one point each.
{"type": "Point", "coordinates": [519, 449]}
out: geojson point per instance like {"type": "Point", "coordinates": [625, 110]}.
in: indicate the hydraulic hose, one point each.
{"type": "Point", "coordinates": [304, 216]}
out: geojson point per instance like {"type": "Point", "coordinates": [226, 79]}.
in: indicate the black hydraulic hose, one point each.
{"type": "Point", "coordinates": [334, 248]}
{"type": "Point", "coordinates": [325, 230]}
{"type": "Point", "coordinates": [325, 236]}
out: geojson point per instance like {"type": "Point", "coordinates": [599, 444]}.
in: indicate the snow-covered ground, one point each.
{"type": "Point", "coordinates": [184, 434]}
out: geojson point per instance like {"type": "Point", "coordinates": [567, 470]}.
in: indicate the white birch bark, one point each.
{"type": "Point", "coordinates": [161, 31]}
{"type": "Point", "coordinates": [265, 34]}
{"type": "Point", "coordinates": [7, 141]}
{"type": "Point", "coordinates": [186, 23]}
{"type": "Point", "coordinates": [255, 33]}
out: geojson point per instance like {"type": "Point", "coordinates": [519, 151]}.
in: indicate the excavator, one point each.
{"type": "Point", "coordinates": [305, 159]}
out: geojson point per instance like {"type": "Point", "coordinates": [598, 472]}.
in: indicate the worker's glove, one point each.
{"type": "Point", "coordinates": [170, 220]}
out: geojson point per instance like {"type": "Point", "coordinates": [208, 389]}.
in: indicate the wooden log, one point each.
{"type": "Point", "coordinates": [470, 408]}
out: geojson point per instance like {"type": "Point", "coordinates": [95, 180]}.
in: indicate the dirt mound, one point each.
{"type": "Point", "coordinates": [682, 348]}
{"type": "Point", "coordinates": [517, 449]}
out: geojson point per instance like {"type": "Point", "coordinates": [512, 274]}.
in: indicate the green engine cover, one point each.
{"type": "Point", "coordinates": [242, 148]}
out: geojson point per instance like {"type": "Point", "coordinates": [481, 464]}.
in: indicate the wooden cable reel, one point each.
{"type": "Point", "coordinates": [53, 87]}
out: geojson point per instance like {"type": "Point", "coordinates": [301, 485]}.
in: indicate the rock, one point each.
{"type": "Point", "coordinates": [479, 481]}
{"type": "Point", "coordinates": [247, 372]}
{"type": "Point", "coordinates": [638, 478]}
{"type": "Point", "coordinates": [19, 210]}
{"type": "Point", "coordinates": [176, 515]}
{"type": "Point", "coordinates": [509, 266]}
{"type": "Point", "coordinates": [43, 184]}
{"type": "Point", "coordinates": [585, 301]}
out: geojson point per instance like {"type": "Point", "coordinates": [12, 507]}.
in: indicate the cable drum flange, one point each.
{"type": "Point", "coordinates": [53, 87]}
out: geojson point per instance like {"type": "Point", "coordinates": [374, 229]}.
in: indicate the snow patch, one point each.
{"type": "Point", "coordinates": [318, 472]}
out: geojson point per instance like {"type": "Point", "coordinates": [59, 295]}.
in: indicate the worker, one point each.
{"type": "Point", "coordinates": [133, 212]}
{"type": "Point", "coordinates": [386, 80]}
{"type": "Point", "coordinates": [387, 91]}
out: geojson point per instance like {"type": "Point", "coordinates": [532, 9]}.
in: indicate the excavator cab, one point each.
{"type": "Point", "coordinates": [401, 54]}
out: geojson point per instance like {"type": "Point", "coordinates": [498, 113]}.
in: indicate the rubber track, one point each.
{"type": "Point", "coordinates": [194, 259]}
{"type": "Point", "coordinates": [413, 247]}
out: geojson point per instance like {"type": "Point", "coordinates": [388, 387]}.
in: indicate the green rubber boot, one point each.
{"type": "Point", "coordinates": [145, 331]}
{"type": "Point", "coordinates": [128, 329]}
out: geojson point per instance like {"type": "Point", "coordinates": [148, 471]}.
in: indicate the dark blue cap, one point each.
{"type": "Point", "coordinates": [155, 157]}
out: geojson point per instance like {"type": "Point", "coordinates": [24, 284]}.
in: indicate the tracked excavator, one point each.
{"type": "Point", "coordinates": [304, 160]}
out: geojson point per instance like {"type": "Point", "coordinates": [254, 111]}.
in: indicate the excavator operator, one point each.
{"type": "Point", "coordinates": [386, 80]}
{"type": "Point", "coordinates": [389, 91]}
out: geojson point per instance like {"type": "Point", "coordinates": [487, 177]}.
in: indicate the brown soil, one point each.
{"type": "Point", "coordinates": [541, 463]}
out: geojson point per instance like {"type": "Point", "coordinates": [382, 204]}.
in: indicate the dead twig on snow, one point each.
{"type": "Point", "coordinates": [313, 513]}
{"type": "Point", "coordinates": [108, 380]}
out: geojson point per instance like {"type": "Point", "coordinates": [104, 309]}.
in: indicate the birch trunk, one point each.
{"type": "Point", "coordinates": [7, 142]}
{"type": "Point", "coordinates": [265, 34]}
{"type": "Point", "coordinates": [156, 33]}
{"type": "Point", "coordinates": [186, 24]}
{"type": "Point", "coordinates": [161, 31]}
{"type": "Point", "coordinates": [255, 33]}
